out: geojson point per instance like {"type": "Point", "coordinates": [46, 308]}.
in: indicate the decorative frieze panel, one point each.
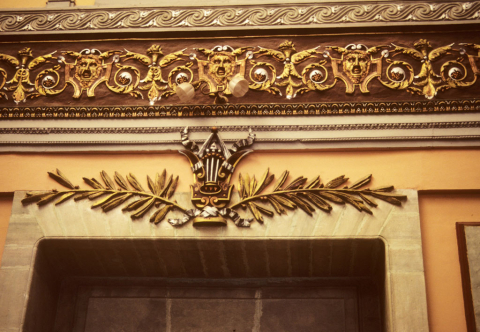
{"type": "Point", "coordinates": [267, 16]}
{"type": "Point", "coordinates": [226, 74]}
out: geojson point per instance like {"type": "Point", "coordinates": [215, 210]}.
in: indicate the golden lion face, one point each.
{"type": "Point", "coordinates": [221, 67]}
{"type": "Point", "coordinates": [356, 65]}
{"type": "Point", "coordinates": [88, 70]}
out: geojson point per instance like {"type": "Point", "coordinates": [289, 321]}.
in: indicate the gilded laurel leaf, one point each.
{"type": "Point", "coordinates": [160, 214]}
{"type": "Point", "coordinates": [383, 189]}
{"type": "Point", "coordinates": [246, 185]}
{"type": "Point", "coordinates": [256, 213]}
{"type": "Point", "coordinates": [107, 180]}
{"type": "Point", "coordinates": [319, 202]}
{"type": "Point", "coordinates": [32, 198]}
{"type": "Point", "coordinates": [253, 186]}
{"type": "Point", "coordinates": [276, 205]}
{"type": "Point", "coordinates": [360, 183]}
{"type": "Point", "coordinates": [116, 202]}
{"type": "Point", "coordinates": [60, 178]}
{"type": "Point", "coordinates": [337, 182]}
{"type": "Point", "coordinates": [82, 196]}
{"type": "Point", "coordinates": [160, 179]}
{"type": "Point", "coordinates": [285, 202]}
{"type": "Point", "coordinates": [312, 184]}
{"type": "Point", "coordinates": [331, 197]}
{"type": "Point", "coordinates": [392, 199]}
{"type": "Point", "coordinates": [167, 187]}
{"type": "Point", "coordinates": [48, 198]}
{"type": "Point", "coordinates": [96, 195]}
{"type": "Point", "coordinates": [143, 209]}
{"type": "Point", "coordinates": [120, 181]}
{"type": "Point", "coordinates": [93, 183]}
{"type": "Point", "coordinates": [152, 186]}
{"type": "Point", "coordinates": [263, 182]}
{"type": "Point", "coordinates": [370, 201]}
{"type": "Point", "coordinates": [281, 181]}
{"type": "Point", "coordinates": [134, 182]}
{"type": "Point", "coordinates": [173, 187]}
{"type": "Point", "coordinates": [105, 200]}
{"type": "Point", "coordinates": [64, 198]}
{"type": "Point", "coordinates": [264, 210]}
{"type": "Point", "coordinates": [241, 186]}
{"type": "Point", "coordinates": [305, 206]}
{"type": "Point", "coordinates": [295, 183]}
{"type": "Point", "coordinates": [136, 204]}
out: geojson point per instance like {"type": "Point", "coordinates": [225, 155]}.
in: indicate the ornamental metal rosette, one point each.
{"type": "Point", "coordinates": [213, 165]}
{"type": "Point", "coordinates": [241, 17]}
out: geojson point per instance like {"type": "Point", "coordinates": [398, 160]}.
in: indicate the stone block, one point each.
{"type": "Point", "coordinates": [402, 226]}
{"type": "Point", "coordinates": [405, 258]}
{"type": "Point", "coordinates": [18, 256]}
{"type": "Point", "coordinates": [326, 222]}
{"type": "Point", "coordinates": [64, 215]}
{"type": "Point", "coordinates": [372, 224]}
{"type": "Point", "coordinates": [25, 231]}
{"type": "Point", "coordinates": [47, 219]}
{"type": "Point", "coordinates": [349, 222]}
{"type": "Point", "coordinates": [409, 314]}
{"type": "Point", "coordinates": [13, 297]}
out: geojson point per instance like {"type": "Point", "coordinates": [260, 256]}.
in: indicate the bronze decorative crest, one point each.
{"type": "Point", "coordinates": [213, 165]}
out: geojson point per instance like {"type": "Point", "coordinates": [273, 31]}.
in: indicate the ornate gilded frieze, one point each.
{"type": "Point", "coordinates": [287, 73]}
{"type": "Point", "coordinates": [213, 165]}
{"type": "Point", "coordinates": [267, 16]}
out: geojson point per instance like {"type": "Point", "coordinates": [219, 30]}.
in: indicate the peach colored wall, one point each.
{"type": "Point", "coordinates": [25, 4]}
{"type": "Point", "coordinates": [5, 211]}
{"type": "Point", "coordinates": [438, 215]}
{"type": "Point", "coordinates": [412, 169]}
{"type": "Point", "coordinates": [408, 169]}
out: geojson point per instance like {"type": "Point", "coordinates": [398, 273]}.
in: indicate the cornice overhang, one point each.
{"type": "Point", "coordinates": [240, 17]}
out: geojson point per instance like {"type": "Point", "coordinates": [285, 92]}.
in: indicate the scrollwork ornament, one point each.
{"type": "Point", "coordinates": [311, 15]}
{"type": "Point", "coordinates": [47, 80]}
{"type": "Point", "coordinates": [263, 75]}
{"type": "Point", "coordinates": [397, 76]}
{"type": "Point", "coordinates": [290, 57]}
{"type": "Point", "coordinates": [156, 61]}
{"type": "Point", "coordinates": [3, 79]}
{"type": "Point", "coordinates": [473, 59]}
{"type": "Point", "coordinates": [125, 83]}
{"type": "Point", "coordinates": [314, 76]}
{"type": "Point", "coordinates": [20, 84]}
{"type": "Point", "coordinates": [428, 82]}
{"type": "Point", "coordinates": [454, 74]}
